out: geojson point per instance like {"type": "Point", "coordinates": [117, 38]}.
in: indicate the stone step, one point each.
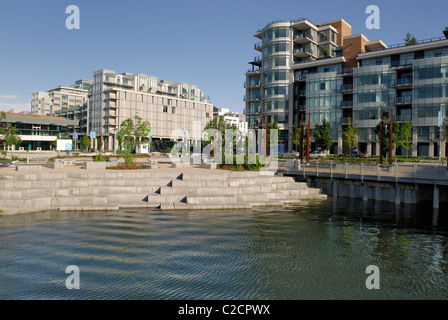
{"type": "Point", "coordinates": [206, 199]}
{"type": "Point", "coordinates": [157, 198]}
{"type": "Point", "coordinates": [255, 197]}
{"type": "Point", "coordinates": [76, 183]}
{"type": "Point", "coordinates": [90, 208]}
{"type": "Point", "coordinates": [128, 198]}
{"type": "Point", "coordinates": [135, 205]}
{"type": "Point", "coordinates": [312, 197]}
{"type": "Point", "coordinates": [29, 204]}
{"type": "Point", "coordinates": [82, 201]}
{"type": "Point", "coordinates": [210, 206]}
{"type": "Point", "coordinates": [199, 183]}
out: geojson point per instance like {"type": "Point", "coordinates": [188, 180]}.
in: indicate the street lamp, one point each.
{"type": "Point", "coordinates": [440, 123]}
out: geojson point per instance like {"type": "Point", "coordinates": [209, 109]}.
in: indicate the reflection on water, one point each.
{"type": "Point", "coordinates": [318, 250]}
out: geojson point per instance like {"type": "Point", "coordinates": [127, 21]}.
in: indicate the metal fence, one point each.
{"type": "Point", "coordinates": [361, 171]}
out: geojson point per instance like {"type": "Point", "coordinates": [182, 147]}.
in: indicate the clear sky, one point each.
{"type": "Point", "coordinates": [204, 42]}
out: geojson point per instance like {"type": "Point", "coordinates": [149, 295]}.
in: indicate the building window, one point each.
{"type": "Point", "coordinates": [165, 109]}
{"type": "Point", "coordinates": [173, 110]}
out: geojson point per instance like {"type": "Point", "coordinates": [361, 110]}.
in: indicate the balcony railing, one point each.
{"type": "Point", "coordinates": [299, 36]}
{"type": "Point", "coordinates": [403, 118]}
{"type": "Point", "coordinates": [401, 82]}
{"type": "Point", "coordinates": [258, 46]}
{"type": "Point", "coordinates": [405, 44]}
{"type": "Point", "coordinates": [299, 51]}
{"type": "Point", "coordinates": [346, 104]}
{"type": "Point", "coordinates": [347, 71]}
{"type": "Point", "coordinates": [346, 87]}
{"type": "Point", "coordinates": [252, 84]}
{"type": "Point", "coordinates": [252, 97]}
{"type": "Point", "coordinates": [401, 100]}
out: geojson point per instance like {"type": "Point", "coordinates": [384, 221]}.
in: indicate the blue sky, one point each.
{"type": "Point", "coordinates": [204, 42]}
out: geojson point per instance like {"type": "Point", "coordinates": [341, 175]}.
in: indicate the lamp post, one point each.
{"type": "Point", "coordinates": [440, 123]}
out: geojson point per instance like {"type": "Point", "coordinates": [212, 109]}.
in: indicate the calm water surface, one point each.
{"type": "Point", "coordinates": [319, 250]}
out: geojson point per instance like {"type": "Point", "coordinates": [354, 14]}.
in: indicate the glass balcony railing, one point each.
{"type": "Point", "coordinates": [403, 118]}
{"type": "Point", "coordinates": [258, 46]}
{"type": "Point", "coordinates": [346, 87]}
{"type": "Point", "coordinates": [252, 97]}
{"type": "Point", "coordinates": [299, 36]}
{"type": "Point", "coordinates": [401, 100]}
{"type": "Point", "coordinates": [401, 82]}
{"type": "Point", "coordinates": [303, 50]}
{"type": "Point", "coordinates": [252, 84]}
{"type": "Point", "coordinates": [346, 104]}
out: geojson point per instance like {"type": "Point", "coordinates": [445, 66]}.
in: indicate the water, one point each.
{"type": "Point", "coordinates": [313, 251]}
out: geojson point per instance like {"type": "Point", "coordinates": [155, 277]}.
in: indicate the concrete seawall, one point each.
{"type": "Point", "coordinates": [174, 189]}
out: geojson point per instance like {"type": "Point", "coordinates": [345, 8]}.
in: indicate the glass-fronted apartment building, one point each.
{"type": "Point", "coordinates": [166, 105]}
{"type": "Point", "coordinates": [324, 72]}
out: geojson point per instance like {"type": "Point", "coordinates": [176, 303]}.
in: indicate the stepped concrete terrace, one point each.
{"type": "Point", "coordinates": [75, 189]}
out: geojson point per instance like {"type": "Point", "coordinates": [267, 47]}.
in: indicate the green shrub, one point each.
{"type": "Point", "coordinates": [128, 159]}
{"type": "Point", "coordinates": [100, 157]}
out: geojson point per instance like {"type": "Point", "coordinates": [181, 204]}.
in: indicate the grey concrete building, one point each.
{"type": "Point", "coordinates": [166, 105]}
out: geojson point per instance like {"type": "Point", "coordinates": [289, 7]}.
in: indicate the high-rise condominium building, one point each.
{"type": "Point", "coordinates": [166, 105]}
{"type": "Point", "coordinates": [322, 71]}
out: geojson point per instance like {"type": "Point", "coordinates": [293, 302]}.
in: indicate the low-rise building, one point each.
{"type": "Point", "coordinates": [39, 132]}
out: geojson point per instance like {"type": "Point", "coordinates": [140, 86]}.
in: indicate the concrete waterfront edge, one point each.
{"type": "Point", "coordinates": [32, 191]}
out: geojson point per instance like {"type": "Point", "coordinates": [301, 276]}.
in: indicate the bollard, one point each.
{"type": "Point", "coordinates": [317, 168]}
{"type": "Point", "coordinates": [345, 170]}
{"type": "Point", "coordinates": [331, 170]}
{"type": "Point", "coordinates": [362, 173]}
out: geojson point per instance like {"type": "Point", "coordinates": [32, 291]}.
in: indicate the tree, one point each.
{"type": "Point", "coordinates": [396, 135]}
{"type": "Point", "coordinates": [10, 136]}
{"type": "Point", "coordinates": [296, 136]}
{"type": "Point", "coordinates": [406, 137]}
{"type": "Point", "coordinates": [322, 136]}
{"type": "Point", "coordinates": [218, 123]}
{"type": "Point", "coordinates": [134, 132]}
{"type": "Point", "coordinates": [85, 142]}
{"type": "Point", "coordinates": [351, 135]}
{"type": "Point", "coordinates": [410, 39]}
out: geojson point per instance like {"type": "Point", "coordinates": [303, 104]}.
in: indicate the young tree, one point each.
{"type": "Point", "coordinates": [10, 136]}
{"type": "Point", "coordinates": [410, 39]}
{"type": "Point", "coordinates": [220, 125]}
{"type": "Point", "coordinates": [351, 135]}
{"type": "Point", "coordinates": [296, 136]}
{"type": "Point", "coordinates": [406, 137]}
{"type": "Point", "coordinates": [322, 136]}
{"type": "Point", "coordinates": [134, 132]}
{"type": "Point", "coordinates": [396, 135]}
{"type": "Point", "coordinates": [86, 142]}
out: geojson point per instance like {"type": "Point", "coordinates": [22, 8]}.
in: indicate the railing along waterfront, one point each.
{"type": "Point", "coordinates": [422, 173]}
